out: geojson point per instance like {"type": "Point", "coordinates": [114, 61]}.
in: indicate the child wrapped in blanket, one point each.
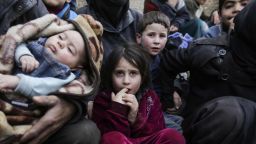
{"type": "Point", "coordinates": [45, 65]}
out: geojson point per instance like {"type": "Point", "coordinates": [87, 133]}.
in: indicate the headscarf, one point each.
{"type": "Point", "coordinates": [111, 10]}
{"type": "Point", "coordinates": [243, 39]}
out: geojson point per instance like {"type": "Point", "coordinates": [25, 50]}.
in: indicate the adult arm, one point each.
{"type": "Point", "coordinates": [59, 112]}
{"type": "Point", "coordinates": [172, 62]}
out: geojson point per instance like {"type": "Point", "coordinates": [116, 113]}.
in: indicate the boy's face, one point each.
{"type": "Point", "coordinates": [127, 76]}
{"type": "Point", "coordinates": [230, 9]}
{"type": "Point", "coordinates": [55, 3]}
{"type": "Point", "coordinates": [67, 48]}
{"type": "Point", "coordinates": [153, 38]}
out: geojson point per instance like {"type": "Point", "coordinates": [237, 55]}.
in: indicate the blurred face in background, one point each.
{"type": "Point", "coordinates": [230, 9]}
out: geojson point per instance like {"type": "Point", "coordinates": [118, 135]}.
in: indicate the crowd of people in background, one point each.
{"type": "Point", "coordinates": [106, 73]}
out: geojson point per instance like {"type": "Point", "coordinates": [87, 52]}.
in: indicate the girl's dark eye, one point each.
{"type": "Point", "coordinates": [119, 73]}
{"type": "Point", "coordinates": [133, 73]}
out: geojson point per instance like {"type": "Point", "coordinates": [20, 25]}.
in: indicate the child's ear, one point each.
{"type": "Point", "coordinates": [138, 38]}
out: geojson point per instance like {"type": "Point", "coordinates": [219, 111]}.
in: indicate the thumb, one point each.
{"type": "Point", "coordinates": [47, 101]}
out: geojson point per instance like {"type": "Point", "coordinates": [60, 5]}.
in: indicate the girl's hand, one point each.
{"type": "Point", "coordinates": [131, 101]}
{"type": "Point", "coordinates": [8, 81]}
{"type": "Point", "coordinates": [28, 63]}
{"type": "Point", "coordinates": [119, 95]}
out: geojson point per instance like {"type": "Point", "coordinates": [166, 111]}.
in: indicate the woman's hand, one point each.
{"type": "Point", "coordinates": [59, 112]}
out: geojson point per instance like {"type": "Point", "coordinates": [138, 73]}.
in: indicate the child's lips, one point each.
{"type": "Point", "coordinates": [53, 49]}
{"type": "Point", "coordinates": [155, 48]}
{"type": "Point", "coordinates": [128, 90]}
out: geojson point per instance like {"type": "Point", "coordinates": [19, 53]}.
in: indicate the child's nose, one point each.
{"type": "Point", "coordinates": [157, 40]}
{"type": "Point", "coordinates": [61, 44]}
{"type": "Point", "coordinates": [238, 8]}
{"type": "Point", "coordinates": [126, 79]}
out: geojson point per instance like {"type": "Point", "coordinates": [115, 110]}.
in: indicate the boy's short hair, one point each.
{"type": "Point", "coordinates": [153, 17]}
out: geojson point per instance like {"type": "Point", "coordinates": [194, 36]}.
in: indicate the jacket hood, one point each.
{"type": "Point", "coordinates": [111, 10]}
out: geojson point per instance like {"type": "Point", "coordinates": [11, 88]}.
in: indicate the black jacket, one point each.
{"type": "Point", "coordinates": [213, 73]}
{"type": "Point", "coordinates": [113, 37]}
{"type": "Point", "coordinates": [13, 12]}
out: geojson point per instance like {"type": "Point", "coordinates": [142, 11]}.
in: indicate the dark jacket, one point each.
{"type": "Point", "coordinates": [114, 37]}
{"type": "Point", "coordinates": [213, 73]}
{"type": "Point", "coordinates": [13, 12]}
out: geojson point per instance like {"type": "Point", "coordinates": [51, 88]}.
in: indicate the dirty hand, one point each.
{"type": "Point", "coordinates": [59, 112]}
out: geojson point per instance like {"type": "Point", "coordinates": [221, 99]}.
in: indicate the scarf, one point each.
{"type": "Point", "coordinates": [112, 10]}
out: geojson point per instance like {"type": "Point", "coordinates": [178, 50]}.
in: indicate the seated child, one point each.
{"type": "Point", "coordinates": [130, 108]}
{"type": "Point", "coordinates": [227, 11]}
{"type": "Point", "coordinates": [64, 9]}
{"type": "Point", "coordinates": [152, 35]}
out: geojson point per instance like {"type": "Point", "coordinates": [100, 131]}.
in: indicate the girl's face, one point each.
{"type": "Point", "coordinates": [153, 38]}
{"type": "Point", "coordinates": [127, 76]}
{"type": "Point", "coordinates": [230, 9]}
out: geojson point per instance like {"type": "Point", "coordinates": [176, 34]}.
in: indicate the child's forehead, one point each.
{"type": "Point", "coordinates": [156, 26]}
{"type": "Point", "coordinates": [233, 1]}
{"type": "Point", "coordinates": [71, 33]}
